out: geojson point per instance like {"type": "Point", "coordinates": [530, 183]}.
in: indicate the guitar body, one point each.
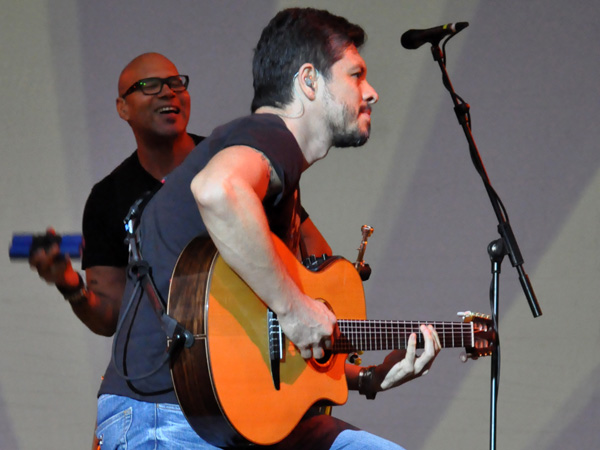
{"type": "Point", "coordinates": [224, 382]}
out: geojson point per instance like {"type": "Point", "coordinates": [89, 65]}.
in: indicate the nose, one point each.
{"type": "Point", "coordinates": [166, 91]}
{"type": "Point", "coordinates": [370, 94]}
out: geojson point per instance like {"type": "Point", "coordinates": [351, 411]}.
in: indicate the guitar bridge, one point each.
{"type": "Point", "coordinates": [275, 347]}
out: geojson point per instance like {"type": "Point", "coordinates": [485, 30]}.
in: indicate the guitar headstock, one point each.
{"type": "Point", "coordinates": [484, 332]}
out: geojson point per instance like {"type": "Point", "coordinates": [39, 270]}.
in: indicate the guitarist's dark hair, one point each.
{"type": "Point", "coordinates": [294, 37]}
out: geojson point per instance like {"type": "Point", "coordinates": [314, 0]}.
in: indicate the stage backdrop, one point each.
{"type": "Point", "coordinates": [529, 71]}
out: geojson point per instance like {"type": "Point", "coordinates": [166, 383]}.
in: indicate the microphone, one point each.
{"type": "Point", "coordinates": [415, 38]}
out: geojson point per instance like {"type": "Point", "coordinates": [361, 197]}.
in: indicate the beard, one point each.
{"type": "Point", "coordinates": [344, 125]}
{"type": "Point", "coordinates": [347, 135]}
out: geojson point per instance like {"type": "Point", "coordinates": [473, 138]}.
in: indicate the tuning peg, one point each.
{"type": "Point", "coordinates": [466, 315]}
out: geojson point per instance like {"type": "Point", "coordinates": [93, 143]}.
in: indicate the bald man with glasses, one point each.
{"type": "Point", "coordinates": [154, 101]}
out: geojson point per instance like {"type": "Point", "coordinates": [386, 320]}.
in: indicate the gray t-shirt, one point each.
{"type": "Point", "coordinates": [170, 221]}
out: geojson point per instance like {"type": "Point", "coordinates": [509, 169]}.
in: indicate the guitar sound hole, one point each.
{"type": "Point", "coordinates": [324, 361]}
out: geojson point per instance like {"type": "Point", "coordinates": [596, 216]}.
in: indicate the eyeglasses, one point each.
{"type": "Point", "coordinates": [152, 86]}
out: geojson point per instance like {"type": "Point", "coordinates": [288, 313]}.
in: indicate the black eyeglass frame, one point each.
{"type": "Point", "coordinates": [140, 85]}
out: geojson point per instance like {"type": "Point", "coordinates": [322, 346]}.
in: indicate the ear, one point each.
{"type": "Point", "coordinates": [307, 81]}
{"type": "Point", "coordinates": [122, 108]}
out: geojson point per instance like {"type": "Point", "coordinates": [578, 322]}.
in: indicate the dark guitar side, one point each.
{"type": "Point", "coordinates": [190, 370]}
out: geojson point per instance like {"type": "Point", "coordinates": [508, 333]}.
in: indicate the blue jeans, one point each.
{"type": "Point", "coordinates": [124, 423]}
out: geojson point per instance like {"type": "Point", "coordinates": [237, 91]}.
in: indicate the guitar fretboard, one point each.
{"type": "Point", "coordinates": [366, 335]}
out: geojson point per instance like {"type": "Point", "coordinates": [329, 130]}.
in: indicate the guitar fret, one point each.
{"type": "Point", "coordinates": [387, 335]}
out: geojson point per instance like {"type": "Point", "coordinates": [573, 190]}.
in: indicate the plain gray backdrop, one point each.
{"type": "Point", "coordinates": [530, 72]}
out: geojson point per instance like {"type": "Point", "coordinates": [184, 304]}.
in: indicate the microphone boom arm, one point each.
{"type": "Point", "coordinates": [506, 245]}
{"type": "Point", "coordinates": [504, 229]}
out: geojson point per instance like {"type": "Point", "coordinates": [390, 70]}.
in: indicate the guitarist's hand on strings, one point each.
{"type": "Point", "coordinates": [398, 367]}
{"type": "Point", "coordinates": [401, 366]}
{"type": "Point", "coordinates": [309, 324]}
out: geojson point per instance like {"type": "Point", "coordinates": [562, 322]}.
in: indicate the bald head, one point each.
{"type": "Point", "coordinates": [157, 116]}
{"type": "Point", "coordinates": [145, 65]}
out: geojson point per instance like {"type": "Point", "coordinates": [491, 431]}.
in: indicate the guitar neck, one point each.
{"type": "Point", "coordinates": [363, 335]}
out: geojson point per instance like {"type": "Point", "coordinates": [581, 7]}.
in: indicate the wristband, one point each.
{"type": "Point", "coordinates": [365, 382]}
{"type": "Point", "coordinates": [76, 294]}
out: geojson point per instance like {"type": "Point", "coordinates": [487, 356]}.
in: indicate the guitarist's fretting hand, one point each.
{"type": "Point", "coordinates": [309, 324]}
{"type": "Point", "coordinates": [401, 366]}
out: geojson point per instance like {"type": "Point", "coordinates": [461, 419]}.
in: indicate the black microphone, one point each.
{"type": "Point", "coordinates": [415, 38]}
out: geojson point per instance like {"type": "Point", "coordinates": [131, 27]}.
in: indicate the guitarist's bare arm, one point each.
{"type": "Point", "coordinates": [229, 193]}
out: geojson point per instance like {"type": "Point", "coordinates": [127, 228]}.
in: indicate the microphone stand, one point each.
{"type": "Point", "coordinates": [506, 245]}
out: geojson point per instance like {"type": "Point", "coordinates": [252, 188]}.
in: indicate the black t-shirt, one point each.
{"type": "Point", "coordinates": [106, 207]}
{"type": "Point", "coordinates": [171, 219]}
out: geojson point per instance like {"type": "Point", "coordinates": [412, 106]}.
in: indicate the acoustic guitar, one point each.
{"type": "Point", "coordinates": [242, 381]}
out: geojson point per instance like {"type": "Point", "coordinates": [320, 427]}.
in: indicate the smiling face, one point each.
{"type": "Point", "coordinates": [348, 98]}
{"type": "Point", "coordinates": [162, 115]}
